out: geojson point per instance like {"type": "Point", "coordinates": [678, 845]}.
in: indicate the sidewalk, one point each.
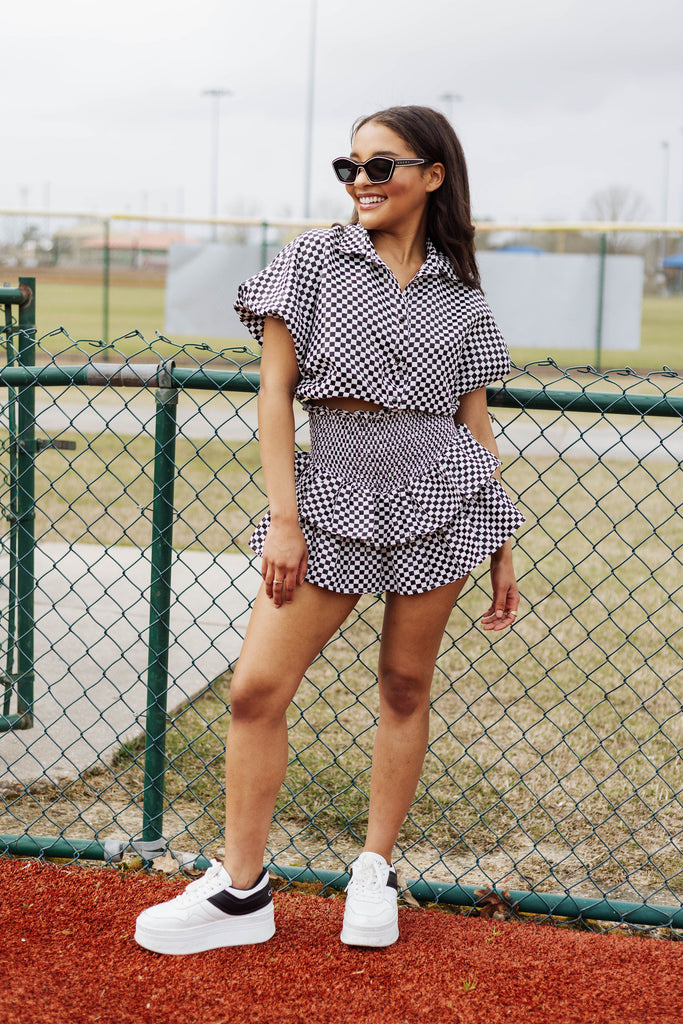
{"type": "Point", "coordinates": [92, 618]}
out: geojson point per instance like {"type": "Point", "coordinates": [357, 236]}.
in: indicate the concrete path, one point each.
{"type": "Point", "coordinates": [205, 416]}
{"type": "Point", "coordinates": [92, 617]}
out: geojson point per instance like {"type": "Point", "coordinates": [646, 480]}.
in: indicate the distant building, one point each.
{"type": "Point", "coordinates": [138, 249]}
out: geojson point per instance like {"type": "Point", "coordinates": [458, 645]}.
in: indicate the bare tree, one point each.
{"type": "Point", "coordinates": [619, 204]}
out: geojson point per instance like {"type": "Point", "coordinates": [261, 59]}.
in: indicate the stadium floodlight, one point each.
{"type": "Point", "coordinates": [216, 95]}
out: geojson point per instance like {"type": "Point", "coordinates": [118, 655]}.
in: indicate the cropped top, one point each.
{"type": "Point", "coordinates": [358, 335]}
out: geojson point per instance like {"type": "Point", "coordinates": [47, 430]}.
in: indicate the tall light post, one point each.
{"type": "Point", "coordinates": [216, 96]}
{"type": "Point", "coordinates": [449, 98]}
{"type": "Point", "coordinates": [310, 98]}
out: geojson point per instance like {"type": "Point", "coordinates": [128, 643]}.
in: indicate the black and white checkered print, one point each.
{"type": "Point", "coordinates": [395, 500]}
{"type": "Point", "coordinates": [357, 335]}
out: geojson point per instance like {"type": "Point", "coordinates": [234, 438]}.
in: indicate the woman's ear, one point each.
{"type": "Point", "coordinates": [435, 175]}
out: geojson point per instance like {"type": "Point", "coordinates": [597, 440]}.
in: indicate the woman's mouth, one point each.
{"type": "Point", "coordinates": [366, 202]}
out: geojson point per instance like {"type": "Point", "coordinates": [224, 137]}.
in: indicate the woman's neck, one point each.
{"type": "Point", "coordinates": [403, 254]}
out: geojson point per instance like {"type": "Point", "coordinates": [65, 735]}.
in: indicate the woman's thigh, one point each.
{"type": "Point", "coordinates": [280, 643]}
{"type": "Point", "coordinates": [413, 628]}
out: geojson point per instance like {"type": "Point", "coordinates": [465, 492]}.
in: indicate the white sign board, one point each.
{"type": "Point", "coordinates": [551, 300]}
{"type": "Point", "coordinates": [201, 287]}
{"type": "Point", "coordinates": [548, 301]}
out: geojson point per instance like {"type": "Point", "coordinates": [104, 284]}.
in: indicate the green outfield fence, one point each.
{"type": "Point", "coordinates": [129, 489]}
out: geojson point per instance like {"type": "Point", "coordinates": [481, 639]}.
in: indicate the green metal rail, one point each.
{"type": "Point", "coordinates": [20, 659]}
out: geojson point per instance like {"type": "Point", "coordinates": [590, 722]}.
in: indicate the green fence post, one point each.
{"type": "Point", "coordinates": [601, 302]}
{"type": "Point", "coordinates": [159, 614]}
{"type": "Point", "coordinates": [264, 243]}
{"type": "Point", "coordinates": [25, 509]}
{"type": "Point", "coordinates": [105, 288]}
{"type": "Point", "coordinates": [11, 579]}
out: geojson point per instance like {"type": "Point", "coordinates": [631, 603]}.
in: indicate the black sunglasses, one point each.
{"type": "Point", "coordinates": [378, 169]}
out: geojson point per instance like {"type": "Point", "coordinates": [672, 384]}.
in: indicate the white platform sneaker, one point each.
{"type": "Point", "coordinates": [210, 913]}
{"type": "Point", "coordinates": [371, 911]}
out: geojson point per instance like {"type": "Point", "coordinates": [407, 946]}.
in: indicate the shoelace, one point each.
{"type": "Point", "coordinates": [207, 883]}
{"type": "Point", "coordinates": [368, 877]}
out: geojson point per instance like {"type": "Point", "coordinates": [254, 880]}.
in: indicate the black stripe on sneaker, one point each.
{"type": "Point", "coordinates": [233, 905]}
{"type": "Point", "coordinates": [392, 880]}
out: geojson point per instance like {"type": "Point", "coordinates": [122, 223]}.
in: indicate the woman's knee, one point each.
{"type": "Point", "coordinates": [257, 697]}
{"type": "Point", "coordinates": [404, 693]}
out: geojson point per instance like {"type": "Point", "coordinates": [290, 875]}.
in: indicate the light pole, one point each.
{"type": "Point", "coordinates": [310, 97]}
{"type": "Point", "coordinates": [216, 95]}
{"type": "Point", "coordinates": [449, 98]}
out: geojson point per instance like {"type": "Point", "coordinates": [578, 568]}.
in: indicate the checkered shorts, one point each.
{"type": "Point", "coordinates": [395, 500]}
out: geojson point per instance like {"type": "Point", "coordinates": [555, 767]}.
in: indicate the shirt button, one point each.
{"type": "Point", "coordinates": [402, 318]}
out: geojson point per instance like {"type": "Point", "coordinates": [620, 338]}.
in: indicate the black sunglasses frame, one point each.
{"type": "Point", "coordinates": [412, 162]}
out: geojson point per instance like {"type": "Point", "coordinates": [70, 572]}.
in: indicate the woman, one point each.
{"type": "Point", "coordinates": [380, 329]}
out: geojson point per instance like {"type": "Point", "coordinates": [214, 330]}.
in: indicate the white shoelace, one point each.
{"type": "Point", "coordinates": [368, 878]}
{"type": "Point", "coordinates": [206, 885]}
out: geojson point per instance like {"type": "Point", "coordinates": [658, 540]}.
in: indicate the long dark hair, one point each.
{"type": "Point", "coordinates": [449, 217]}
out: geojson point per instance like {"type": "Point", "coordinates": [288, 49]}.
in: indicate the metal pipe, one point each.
{"type": "Point", "coordinates": [601, 301]}
{"type": "Point", "coordinates": [11, 577]}
{"type": "Point", "coordinates": [26, 405]}
{"type": "Point", "coordinates": [13, 296]}
{"type": "Point", "coordinates": [106, 282]}
{"type": "Point", "coordinates": [548, 904]}
{"type": "Point", "coordinates": [41, 846]}
{"type": "Point", "coordinates": [159, 609]}
{"type": "Point", "coordinates": [584, 401]}
{"type": "Point", "coordinates": [145, 375]}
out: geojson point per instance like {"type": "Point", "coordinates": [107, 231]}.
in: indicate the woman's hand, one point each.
{"type": "Point", "coordinates": [285, 560]}
{"type": "Point", "coordinates": [503, 609]}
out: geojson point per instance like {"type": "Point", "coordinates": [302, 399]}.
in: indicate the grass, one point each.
{"type": "Point", "coordinates": [103, 493]}
{"type": "Point", "coordinates": [661, 342]}
{"type": "Point", "coordinates": [78, 307]}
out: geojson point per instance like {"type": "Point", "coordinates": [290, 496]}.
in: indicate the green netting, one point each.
{"type": "Point", "coordinates": [553, 767]}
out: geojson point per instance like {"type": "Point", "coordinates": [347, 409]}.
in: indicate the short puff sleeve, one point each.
{"type": "Point", "coordinates": [287, 288]}
{"type": "Point", "coordinates": [484, 357]}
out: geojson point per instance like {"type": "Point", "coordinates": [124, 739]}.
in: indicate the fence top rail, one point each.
{"type": "Point", "coordinates": [19, 296]}
{"type": "Point", "coordinates": [489, 227]}
{"type": "Point", "coordinates": [165, 375]}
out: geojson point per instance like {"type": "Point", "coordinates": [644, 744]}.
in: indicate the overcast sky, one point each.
{"type": "Point", "coordinates": [103, 105]}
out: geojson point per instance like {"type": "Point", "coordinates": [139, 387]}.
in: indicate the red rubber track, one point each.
{"type": "Point", "coordinates": [67, 956]}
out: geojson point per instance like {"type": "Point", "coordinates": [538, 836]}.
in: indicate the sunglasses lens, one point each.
{"type": "Point", "coordinates": [345, 170]}
{"type": "Point", "coordinates": [379, 169]}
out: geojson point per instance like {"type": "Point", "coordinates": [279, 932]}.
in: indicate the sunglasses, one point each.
{"type": "Point", "coordinates": [379, 169]}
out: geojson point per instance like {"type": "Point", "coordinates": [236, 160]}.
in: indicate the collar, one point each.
{"type": "Point", "coordinates": [354, 240]}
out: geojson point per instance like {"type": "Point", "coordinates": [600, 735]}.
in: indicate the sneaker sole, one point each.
{"type": "Point", "coordinates": [234, 931]}
{"type": "Point", "coordinates": [375, 937]}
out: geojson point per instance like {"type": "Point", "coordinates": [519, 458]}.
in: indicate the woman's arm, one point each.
{"type": "Point", "coordinates": [285, 556]}
{"type": "Point", "coordinates": [474, 413]}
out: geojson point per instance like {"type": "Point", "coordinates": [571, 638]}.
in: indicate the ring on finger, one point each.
{"type": "Point", "coordinates": [278, 583]}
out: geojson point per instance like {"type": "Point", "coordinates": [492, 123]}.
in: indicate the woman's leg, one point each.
{"type": "Point", "coordinates": [411, 636]}
{"type": "Point", "coordinates": [279, 646]}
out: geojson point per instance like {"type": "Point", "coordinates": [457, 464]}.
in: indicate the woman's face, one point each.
{"type": "Point", "coordinates": [399, 204]}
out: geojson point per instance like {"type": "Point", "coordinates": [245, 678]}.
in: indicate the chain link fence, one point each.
{"type": "Point", "coordinates": [129, 490]}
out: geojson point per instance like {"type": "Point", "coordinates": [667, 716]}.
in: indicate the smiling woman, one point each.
{"type": "Point", "coordinates": [380, 329]}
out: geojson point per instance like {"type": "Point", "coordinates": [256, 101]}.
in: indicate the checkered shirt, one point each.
{"type": "Point", "coordinates": [357, 335]}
